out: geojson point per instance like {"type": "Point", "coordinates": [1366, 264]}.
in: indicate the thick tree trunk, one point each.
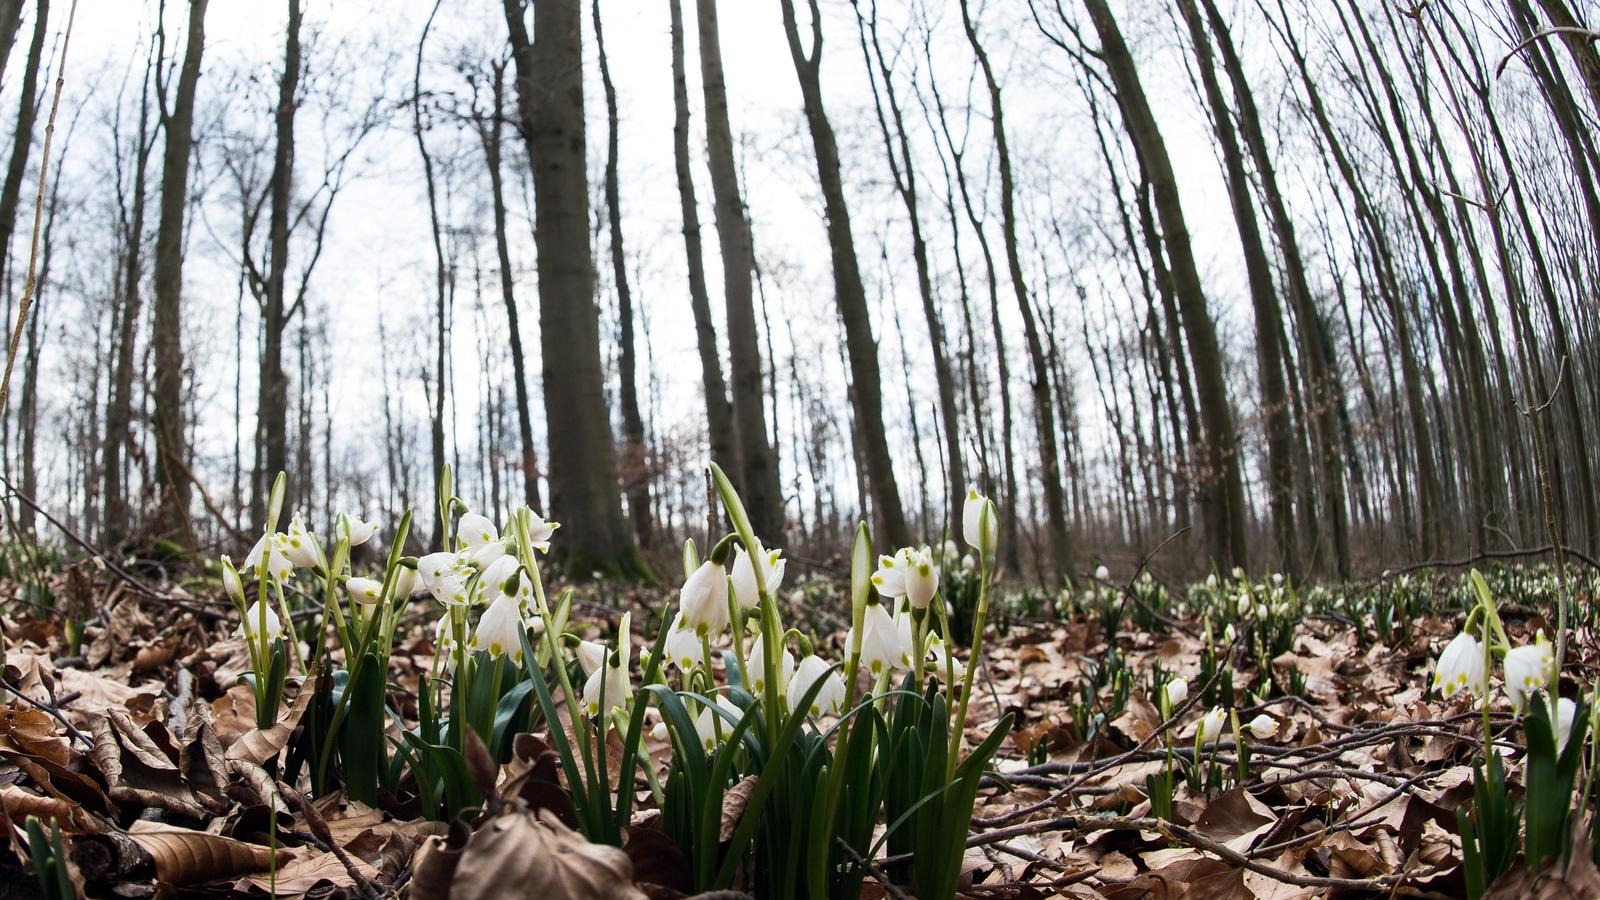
{"type": "Point", "coordinates": [584, 494]}
{"type": "Point", "coordinates": [172, 451]}
{"type": "Point", "coordinates": [1222, 478]}
{"type": "Point", "coordinates": [862, 349]}
{"type": "Point", "coordinates": [758, 464]}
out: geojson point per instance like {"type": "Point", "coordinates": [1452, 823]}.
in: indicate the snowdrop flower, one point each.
{"type": "Point", "coordinates": [745, 590]}
{"type": "Point", "coordinates": [921, 578]}
{"type": "Point", "coordinates": [1211, 725]}
{"type": "Point", "coordinates": [609, 684]}
{"type": "Point", "coordinates": [356, 529]}
{"type": "Point", "coordinates": [890, 577]}
{"type": "Point", "coordinates": [968, 563]}
{"type": "Point", "coordinates": [1211, 581]}
{"type": "Point", "coordinates": [1229, 634]}
{"type": "Point", "coordinates": [406, 582]}
{"type": "Point", "coordinates": [499, 630]}
{"type": "Point", "coordinates": [250, 624]}
{"type": "Point", "coordinates": [451, 588]}
{"type": "Point", "coordinates": [364, 590]}
{"type": "Point", "coordinates": [1238, 573]}
{"type": "Point", "coordinates": [1277, 579]}
{"type": "Point", "coordinates": [300, 545]}
{"type": "Point", "coordinates": [713, 728]}
{"type": "Point", "coordinates": [489, 554]}
{"type": "Point", "coordinates": [683, 647]}
{"type": "Point", "coordinates": [497, 574]}
{"type": "Point", "coordinates": [1101, 573]}
{"type": "Point", "coordinates": [475, 530]}
{"type": "Point", "coordinates": [938, 655]}
{"type": "Point", "coordinates": [1177, 691]}
{"type": "Point", "coordinates": [703, 601]}
{"type": "Point", "coordinates": [1460, 667]}
{"type": "Point", "coordinates": [756, 664]}
{"type": "Point", "coordinates": [951, 551]}
{"type": "Point", "coordinates": [882, 647]}
{"type": "Point", "coordinates": [444, 637]}
{"type": "Point", "coordinates": [436, 565]}
{"type": "Point", "coordinates": [1263, 727]}
{"type": "Point", "coordinates": [590, 656]}
{"type": "Point", "coordinates": [268, 558]}
{"type": "Point", "coordinates": [1566, 711]}
{"type": "Point", "coordinates": [1527, 669]}
{"type": "Point", "coordinates": [976, 527]}
{"type": "Point", "coordinates": [231, 581]}
{"type": "Point", "coordinates": [539, 531]}
{"type": "Point", "coordinates": [829, 698]}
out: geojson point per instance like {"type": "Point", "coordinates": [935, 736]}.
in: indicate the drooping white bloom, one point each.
{"type": "Point", "coordinates": [1566, 711]}
{"type": "Point", "coordinates": [406, 582]}
{"type": "Point", "coordinates": [1527, 669]}
{"type": "Point", "coordinates": [1101, 573]}
{"type": "Point", "coordinates": [300, 545]}
{"type": "Point", "coordinates": [968, 563]}
{"type": "Point", "coordinates": [829, 697]}
{"type": "Point", "coordinates": [250, 624]}
{"type": "Point", "coordinates": [882, 646]}
{"type": "Point", "coordinates": [743, 574]}
{"type": "Point", "coordinates": [489, 554]}
{"type": "Point", "coordinates": [938, 655]}
{"type": "Point", "coordinates": [444, 637]}
{"type": "Point", "coordinates": [357, 529]}
{"type": "Point", "coordinates": [267, 558]}
{"type": "Point", "coordinates": [703, 601]}
{"type": "Point", "coordinates": [231, 581]}
{"type": "Point", "coordinates": [1238, 573]}
{"type": "Point", "coordinates": [683, 647]}
{"type": "Point", "coordinates": [1277, 579]}
{"type": "Point", "coordinates": [1177, 691]}
{"type": "Point", "coordinates": [1263, 727]}
{"type": "Point", "coordinates": [1229, 634]}
{"type": "Point", "coordinates": [1211, 581]}
{"type": "Point", "coordinates": [756, 664]}
{"type": "Point", "coordinates": [539, 531]}
{"type": "Point", "coordinates": [590, 656]}
{"type": "Point", "coordinates": [475, 530]}
{"type": "Point", "coordinates": [364, 590]}
{"type": "Point", "coordinates": [977, 528]}
{"type": "Point", "coordinates": [499, 630]}
{"type": "Point", "coordinates": [713, 728]}
{"type": "Point", "coordinates": [1211, 725]}
{"type": "Point", "coordinates": [608, 686]}
{"type": "Point", "coordinates": [952, 552]}
{"type": "Point", "coordinates": [1461, 668]}
{"type": "Point", "coordinates": [495, 576]}
{"type": "Point", "coordinates": [921, 576]}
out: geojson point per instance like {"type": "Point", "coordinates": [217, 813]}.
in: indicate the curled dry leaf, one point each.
{"type": "Point", "coordinates": [20, 803]}
{"type": "Point", "coordinates": [433, 868]}
{"type": "Point", "coordinates": [734, 801]}
{"type": "Point", "coordinates": [529, 855]}
{"type": "Point", "coordinates": [258, 746]}
{"type": "Point", "coordinates": [184, 856]}
{"type": "Point", "coordinates": [137, 769]}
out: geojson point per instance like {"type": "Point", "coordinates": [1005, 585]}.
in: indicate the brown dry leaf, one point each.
{"type": "Point", "coordinates": [105, 691]}
{"type": "Point", "coordinates": [1236, 819]}
{"type": "Point", "coordinates": [185, 856]}
{"type": "Point", "coordinates": [258, 746]}
{"type": "Point", "coordinates": [234, 714]}
{"type": "Point", "coordinates": [1139, 719]}
{"type": "Point", "coordinates": [734, 800]}
{"type": "Point", "coordinates": [433, 868]}
{"type": "Point", "coordinates": [20, 803]}
{"type": "Point", "coordinates": [33, 732]}
{"type": "Point", "coordinates": [307, 871]}
{"type": "Point", "coordinates": [527, 856]}
{"type": "Point", "coordinates": [137, 770]}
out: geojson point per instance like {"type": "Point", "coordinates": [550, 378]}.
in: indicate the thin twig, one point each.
{"type": "Point", "coordinates": [872, 868]}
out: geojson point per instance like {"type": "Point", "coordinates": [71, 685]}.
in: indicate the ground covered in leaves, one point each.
{"type": "Point", "coordinates": [143, 750]}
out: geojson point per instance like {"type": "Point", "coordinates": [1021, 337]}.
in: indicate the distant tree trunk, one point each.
{"type": "Point", "coordinates": [719, 414]}
{"type": "Point", "coordinates": [172, 451]}
{"type": "Point", "coordinates": [1263, 300]}
{"type": "Point", "coordinates": [635, 467]}
{"type": "Point", "coordinates": [1044, 413]}
{"type": "Point", "coordinates": [441, 276]}
{"type": "Point", "coordinates": [10, 22]}
{"type": "Point", "coordinates": [897, 145]}
{"type": "Point", "coordinates": [28, 398]}
{"type": "Point", "coordinates": [1224, 482]}
{"type": "Point", "coordinates": [584, 494]}
{"type": "Point", "coordinates": [861, 348]}
{"type": "Point", "coordinates": [11, 192]}
{"type": "Point", "coordinates": [757, 458]}
{"type": "Point", "coordinates": [272, 456]}
{"type": "Point", "coordinates": [490, 135]}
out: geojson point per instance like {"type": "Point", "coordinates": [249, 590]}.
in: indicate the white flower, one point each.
{"type": "Point", "coordinates": [1263, 727]}
{"type": "Point", "coordinates": [952, 552]}
{"type": "Point", "coordinates": [968, 563]}
{"type": "Point", "coordinates": [475, 530]}
{"type": "Point", "coordinates": [499, 630]}
{"type": "Point", "coordinates": [406, 582]}
{"type": "Point", "coordinates": [683, 647]}
{"type": "Point", "coordinates": [756, 664]}
{"type": "Point", "coordinates": [493, 581]}
{"type": "Point", "coordinates": [1461, 667]}
{"type": "Point", "coordinates": [250, 625]}
{"type": "Point", "coordinates": [1177, 691]}
{"type": "Point", "coordinates": [976, 527]}
{"type": "Point", "coordinates": [938, 655]}
{"type": "Point", "coordinates": [1229, 634]}
{"type": "Point", "coordinates": [1566, 711]}
{"type": "Point", "coordinates": [1211, 581]}
{"type": "Point", "coordinates": [231, 581]}
{"type": "Point", "coordinates": [1277, 578]}
{"type": "Point", "coordinates": [1527, 669]}
{"type": "Point", "coordinates": [882, 646]}
{"type": "Point", "coordinates": [713, 728]}
{"type": "Point", "coordinates": [364, 590]}
{"type": "Point", "coordinates": [829, 697]}
{"type": "Point", "coordinates": [609, 684]}
{"type": "Point", "coordinates": [300, 545]}
{"type": "Point", "coordinates": [444, 638]}
{"type": "Point", "coordinates": [268, 559]}
{"type": "Point", "coordinates": [1101, 573]}
{"type": "Point", "coordinates": [590, 656]}
{"type": "Point", "coordinates": [743, 574]}
{"type": "Point", "coordinates": [1211, 725]}
{"type": "Point", "coordinates": [703, 602]}
{"type": "Point", "coordinates": [921, 576]}
{"type": "Point", "coordinates": [539, 531]}
{"type": "Point", "coordinates": [489, 554]}
{"type": "Point", "coordinates": [1238, 573]}
{"type": "Point", "coordinates": [357, 529]}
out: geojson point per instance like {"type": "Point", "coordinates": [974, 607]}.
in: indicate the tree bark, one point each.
{"type": "Point", "coordinates": [273, 405]}
{"type": "Point", "coordinates": [172, 451]}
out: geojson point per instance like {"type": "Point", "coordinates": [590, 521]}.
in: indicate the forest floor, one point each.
{"type": "Point", "coordinates": [143, 749]}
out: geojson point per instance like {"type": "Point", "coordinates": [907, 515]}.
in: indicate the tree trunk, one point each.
{"type": "Point", "coordinates": [1226, 512]}
{"type": "Point", "coordinates": [862, 349]}
{"type": "Point", "coordinates": [273, 406]}
{"type": "Point", "coordinates": [583, 465]}
{"type": "Point", "coordinates": [172, 451]}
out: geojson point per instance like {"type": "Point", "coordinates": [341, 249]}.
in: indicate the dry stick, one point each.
{"type": "Point", "coordinates": [48, 709]}
{"type": "Point", "coordinates": [877, 873]}
{"type": "Point", "coordinates": [1591, 35]}
{"type": "Point", "coordinates": [26, 303]}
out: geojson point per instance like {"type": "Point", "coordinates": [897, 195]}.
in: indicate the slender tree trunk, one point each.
{"type": "Point", "coordinates": [584, 493]}
{"type": "Point", "coordinates": [862, 349]}
{"type": "Point", "coordinates": [441, 275]}
{"type": "Point", "coordinates": [274, 388]}
{"type": "Point", "coordinates": [172, 452]}
{"type": "Point", "coordinates": [758, 464]}
{"type": "Point", "coordinates": [1223, 479]}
